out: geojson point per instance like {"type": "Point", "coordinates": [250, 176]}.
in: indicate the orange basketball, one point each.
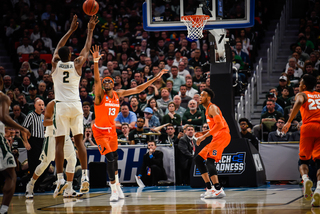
{"type": "Point", "coordinates": [90, 7]}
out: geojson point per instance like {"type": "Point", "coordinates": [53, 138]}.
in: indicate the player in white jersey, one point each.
{"type": "Point", "coordinates": [69, 115]}
{"type": "Point", "coordinates": [48, 155]}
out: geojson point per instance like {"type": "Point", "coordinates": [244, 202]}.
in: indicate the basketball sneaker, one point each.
{"type": "Point", "coordinates": [61, 186]}
{"type": "Point", "coordinates": [71, 194]}
{"type": "Point", "coordinates": [119, 191]}
{"type": "Point", "coordinates": [215, 194]}
{"type": "Point", "coordinates": [316, 198]}
{"type": "Point", "coordinates": [29, 191]}
{"type": "Point", "coordinates": [307, 189]}
{"type": "Point", "coordinates": [84, 185]}
{"type": "Point", "coordinates": [208, 192]}
{"type": "Point", "coordinates": [114, 193]}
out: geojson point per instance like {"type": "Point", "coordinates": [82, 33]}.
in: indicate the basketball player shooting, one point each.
{"type": "Point", "coordinates": [308, 102]}
{"type": "Point", "coordinates": [106, 108]}
{"type": "Point", "coordinates": [66, 75]}
{"type": "Point", "coordinates": [212, 152]}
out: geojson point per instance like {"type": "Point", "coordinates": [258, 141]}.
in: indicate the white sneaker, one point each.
{"type": "Point", "coordinates": [84, 185]}
{"type": "Point", "coordinates": [215, 194]}
{"type": "Point", "coordinates": [119, 191]}
{"type": "Point", "coordinates": [71, 194]}
{"type": "Point", "coordinates": [316, 198]}
{"type": "Point", "coordinates": [114, 196]}
{"type": "Point", "coordinates": [29, 191]}
{"type": "Point", "coordinates": [61, 186]}
{"type": "Point", "coordinates": [208, 192]}
{"type": "Point", "coordinates": [307, 189]}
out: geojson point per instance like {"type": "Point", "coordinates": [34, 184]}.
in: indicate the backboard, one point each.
{"type": "Point", "coordinates": [165, 15]}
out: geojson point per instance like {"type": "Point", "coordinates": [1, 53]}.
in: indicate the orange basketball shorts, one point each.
{"type": "Point", "coordinates": [310, 141]}
{"type": "Point", "coordinates": [215, 148]}
{"type": "Point", "coordinates": [106, 139]}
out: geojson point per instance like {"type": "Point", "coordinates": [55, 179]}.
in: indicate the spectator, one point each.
{"type": "Point", "coordinates": [25, 48]}
{"type": "Point", "coordinates": [278, 135]}
{"type": "Point", "coordinates": [169, 85]}
{"type": "Point", "coordinates": [176, 79]}
{"type": "Point", "coordinates": [13, 99]}
{"type": "Point", "coordinates": [42, 90]}
{"type": "Point", "coordinates": [245, 57]}
{"type": "Point", "coordinates": [169, 64]}
{"type": "Point", "coordinates": [309, 69]}
{"type": "Point", "coordinates": [190, 91]}
{"type": "Point", "coordinates": [285, 97]}
{"type": "Point", "coordinates": [152, 103]}
{"type": "Point", "coordinates": [187, 66]}
{"type": "Point", "coordinates": [84, 96]}
{"type": "Point", "coordinates": [113, 72]}
{"type": "Point", "coordinates": [26, 84]}
{"type": "Point", "coordinates": [23, 104]}
{"type": "Point", "coordinates": [17, 115]}
{"type": "Point", "coordinates": [169, 137]}
{"type": "Point", "coordinates": [178, 57]}
{"type": "Point", "coordinates": [302, 56]}
{"type": "Point", "coordinates": [32, 97]}
{"type": "Point", "coordinates": [136, 136]}
{"type": "Point", "coordinates": [7, 84]}
{"type": "Point", "coordinates": [283, 82]}
{"type": "Point", "coordinates": [126, 116]}
{"type": "Point", "coordinates": [50, 97]}
{"type": "Point", "coordinates": [291, 77]}
{"type": "Point", "coordinates": [125, 134]}
{"type": "Point", "coordinates": [186, 149]}
{"type": "Point", "coordinates": [293, 64]}
{"type": "Point", "coordinates": [318, 87]}
{"type": "Point", "coordinates": [198, 78]}
{"type": "Point", "coordinates": [151, 121]}
{"type": "Point", "coordinates": [192, 115]}
{"type": "Point", "coordinates": [182, 72]}
{"type": "Point", "coordinates": [88, 139]}
{"type": "Point", "coordinates": [165, 99]}
{"type": "Point", "coordinates": [172, 117]}
{"type": "Point", "coordinates": [179, 109]}
{"type": "Point", "coordinates": [184, 98]}
{"type": "Point", "coordinates": [244, 125]}
{"type": "Point", "coordinates": [152, 166]}
{"type": "Point", "coordinates": [134, 107]}
{"type": "Point", "coordinates": [205, 127]}
{"type": "Point", "coordinates": [88, 116]}
{"type": "Point", "coordinates": [196, 60]}
{"type": "Point", "coordinates": [143, 98]}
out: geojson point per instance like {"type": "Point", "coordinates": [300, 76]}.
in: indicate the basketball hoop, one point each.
{"type": "Point", "coordinates": [195, 25]}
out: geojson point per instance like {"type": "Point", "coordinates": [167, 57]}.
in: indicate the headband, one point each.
{"type": "Point", "coordinates": [108, 78]}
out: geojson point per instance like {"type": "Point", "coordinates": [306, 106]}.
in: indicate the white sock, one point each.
{"type": "Point", "coordinates": [60, 176]}
{"type": "Point", "coordinates": [32, 181]}
{"type": "Point", "coordinates": [69, 187]}
{"type": "Point", "coordinates": [85, 173]}
{"type": "Point", "coordinates": [305, 177]}
{"type": "Point", "coordinates": [117, 178]}
{"type": "Point", "coordinates": [113, 187]}
{"type": "Point", "coordinates": [4, 209]}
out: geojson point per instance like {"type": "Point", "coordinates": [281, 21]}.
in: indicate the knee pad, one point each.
{"type": "Point", "coordinates": [41, 167]}
{"type": "Point", "coordinates": [211, 165]}
{"type": "Point", "coordinates": [115, 155]}
{"type": "Point", "coordinates": [305, 162]}
{"type": "Point", "coordinates": [110, 157]}
{"type": "Point", "coordinates": [317, 164]}
{"type": "Point", "coordinates": [71, 163]}
{"type": "Point", "coordinates": [200, 164]}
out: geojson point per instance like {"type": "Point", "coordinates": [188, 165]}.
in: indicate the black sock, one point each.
{"type": "Point", "coordinates": [208, 185]}
{"type": "Point", "coordinates": [217, 186]}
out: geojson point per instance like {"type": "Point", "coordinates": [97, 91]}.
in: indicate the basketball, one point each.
{"type": "Point", "coordinates": [90, 7]}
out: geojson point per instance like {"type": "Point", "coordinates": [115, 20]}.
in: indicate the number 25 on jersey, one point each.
{"type": "Point", "coordinates": [314, 104]}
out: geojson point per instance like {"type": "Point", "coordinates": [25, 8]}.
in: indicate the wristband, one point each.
{"type": "Point", "coordinates": [96, 60]}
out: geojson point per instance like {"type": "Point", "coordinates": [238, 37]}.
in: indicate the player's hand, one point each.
{"type": "Point", "coordinates": [26, 131]}
{"type": "Point", "coordinates": [200, 139]}
{"type": "Point", "coordinates": [198, 134]}
{"type": "Point", "coordinates": [286, 127]}
{"type": "Point", "coordinates": [180, 135]}
{"type": "Point", "coordinates": [27, 146]}
{"type": "Point", "coordinates": [92, 22]}
{"type": "Point", "coordinates": [162, 72]}
{"type": "Point", "coordinates": [95, 52]}
{"type": "Point", "coordinates": [74, 23]}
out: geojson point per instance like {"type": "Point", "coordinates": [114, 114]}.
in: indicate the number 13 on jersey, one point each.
{"type": "Point", "coordinates": [112, 111]}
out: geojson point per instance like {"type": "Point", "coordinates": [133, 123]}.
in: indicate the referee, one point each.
{"type": "Point", "coordinates": [34, 123]}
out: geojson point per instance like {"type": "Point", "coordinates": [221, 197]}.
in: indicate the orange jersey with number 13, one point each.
{"type": "Point", "coordinates": [107, 111]}
{"type": "Point", "coordinates": [310, 110]}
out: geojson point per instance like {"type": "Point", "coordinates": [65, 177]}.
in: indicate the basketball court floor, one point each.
{"type": "Point", "coordinates": [283, 199]}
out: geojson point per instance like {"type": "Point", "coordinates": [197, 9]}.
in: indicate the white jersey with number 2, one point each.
{"type": "Point", "coordinates": [66, 82]}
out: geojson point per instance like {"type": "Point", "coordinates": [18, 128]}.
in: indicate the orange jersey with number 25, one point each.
{"type": "Point", "coordinates": [310, 110]}
{"type": "Point", "coordinates": [107, 111]}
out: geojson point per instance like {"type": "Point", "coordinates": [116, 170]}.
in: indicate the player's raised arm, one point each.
{"type": "Point", "coordinates": [78, 62]}
{"type": "Point", "coordinates": [63, 41]}
{"type": "Point", "coordinates": [301, 98]}
{"type": "Point", "coordinates": [98, 90]}
{"type": "Point", "coordinates": [48, 114]}
{"type": "Point", "coordinates": [139, 88]}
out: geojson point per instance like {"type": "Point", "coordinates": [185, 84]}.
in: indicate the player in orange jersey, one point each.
{"type": "Point", "coordinates": [308, 102]}
{"type": "Point", "coordinates": [106, 107]}
{"type": "Point", "coordinates": [212, 152]}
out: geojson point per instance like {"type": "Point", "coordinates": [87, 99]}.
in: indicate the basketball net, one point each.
{"type": "Point", "coordinates": [195, 25]}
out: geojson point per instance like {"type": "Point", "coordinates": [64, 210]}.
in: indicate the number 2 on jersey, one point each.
{"type": "Point", "coordinates": [66, 76]}
{"type": "Point", "coordinates": [112, 111]}
{"type": "Point", "coordinates": [314, 104]}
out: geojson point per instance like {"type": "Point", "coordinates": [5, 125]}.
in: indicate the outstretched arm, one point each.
{"type": "Point", "coordinates": [138, 89]}
{"type": "Point", "coordinates": [63, 41]}
{"type": "Point", "coordinates": [48, 114]}
{"type": "Point", "coordinates": [78, 62]}
{"type": "Point", "coordinates": [98, 91]}
{"type": "Point", "coordinates": [301, 98]}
